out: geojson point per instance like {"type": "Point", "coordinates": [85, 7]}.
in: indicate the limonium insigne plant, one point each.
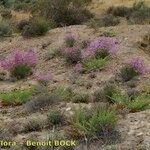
{"type": "Point", "coordinates": [43, 78]}
{"type": "Point", "coordinates": [70, 39]}
{"type": "Point", "coordinates": [133, 68]}
{"type": "Point", "coordinates": [72, 54]}
{"type": "Point", "coordinates": [19, 63]}
{"type": "Point", "coordinates": [78, 68]}
{"type": "Point", "coordinates": [101, 47]}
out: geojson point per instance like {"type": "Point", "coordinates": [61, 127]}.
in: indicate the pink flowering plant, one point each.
{"type": "Point", "coordinates": [78, 68]}
{"type": "Point", "coordinates": [72, 54]}
{"type": "Point", "coordinates": [19, 63]}
{"type": "Point", "coordinates": [133, 68]}
{"type": "Point", "coordinates": [89, 55]}
{"type": "Point", "coordinates": [101, 47]}
{"type": "Point", "coordinates": [43, 78]}
{"type": "Point", "coordinates": [70, 39]}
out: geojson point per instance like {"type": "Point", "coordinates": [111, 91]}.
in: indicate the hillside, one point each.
{"type": "Point", "coordinates": [89, 84]}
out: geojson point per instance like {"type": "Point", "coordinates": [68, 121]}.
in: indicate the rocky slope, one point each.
{"type": "Point", "coordinates": [134, 128]}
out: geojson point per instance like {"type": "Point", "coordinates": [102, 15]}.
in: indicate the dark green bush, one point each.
{"type": "Point", "coordinates": [139, 13]}
{"type": "Point", "coordinates": [127, 73]}
{"type": "Point", "coordinates": [21, 71]}
{"type": "Point", "coordinates": [120, 11]}
{"type": "Point", "coordinates": [5, 29]}
{"type": "Point", "coordinates": [109, 20]}
{"type": "Point", "coordinates": [55, 117]}
{"type": "Point", "coordinates": [7, 3]}
{"type": "Point", "coordinates": [109, 90]}
{"type": "Point", "coordinates": [33, 124]}
{"type": "Point", "coordinates": [18, 6]}
{"type": "Point", "coordinates": [22, 24]}
{"type": "Point", "coordinates": [6, 13]}
{"type": "Point", "coordinates": [36, 27]}
{"type": "Point", "coordinates": [2, 76]}
{"type": "Point", "coordinates": [62, 12]}
{"type": "Point", "coordinates": [141, 16]}
{"type": "Point", "coordinates": [98, 96]}
{"type": "Point", "coordinates": [81, 98]}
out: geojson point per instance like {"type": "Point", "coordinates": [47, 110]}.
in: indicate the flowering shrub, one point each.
{"type": "Point", "coordinates": [78, 67]}
{"type": "Point", "coordinates": [19, 63]}
{"type": "Point", "coordinates": [43, 78]}
{"type": "Point", "coordinates": [133, 68]}
{"type": "Point", "coordinates": [72, 54]}
{"type": "Point", "coordinates": [101, 47]}
{"type": "Point", "coordinates": [70, 39]}
{"type": "Point", "coordinates": [88, 56]}
{"type": "Point", "coordinates": [138, 65]}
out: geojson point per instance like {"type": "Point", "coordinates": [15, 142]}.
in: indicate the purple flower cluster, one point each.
{"type": "Point", "coordinates": [70, 39]}
{"type": "Point", "coordinates": [138, 65]}
{"type": "Point", "coordinates": [43, 77]}
{"type": "Point", "coordinates": [72, 54]}
{"type": "Point", "coordinates": [100, 44]}
{"type": "Point", "coordinates": [70, 36]}
{"type": "Point", "coordinates": [78, 67]}
{"type": "Point", "coordinates": [18, 58]}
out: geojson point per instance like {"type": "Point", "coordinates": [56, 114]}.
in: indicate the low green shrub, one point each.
{"type": "Point", "coordinates": [22, 24]}
{"type": "Point", "coordinates": [139, 13]}
{"type": "Point", "coordinates": [136, 103]}
{"type": "Point", "coordinates": [5, 29]}
{"type": "Point", "coordinates": [2, 76]}
{"type": "Point", "coordinates": [141, 16]}
{"type": "Point", "coordinates": [52, 53]}
{"type": "Point", "coordinates": [98, 95]}
{"type": "Point", "coordinates": [64, 93]}
{"type": "Point", "coordinates": [120, 11]}
{"type": "Point", "coordinates": [6, 13]}
{"type": "Point", "coordinates": [21, 71]}
{"type": "Point", "coordinates": [109, 91]}
{"type": "Point", "coordinates": [33, 124]}
{"type": "Point", "coordinates": [127, 73]}
{"type": "Point", "coordinates": [64, 12]}
{"type": "Point", "coordinates": [139, 103]}
{"type": "Point", "coordinates": [7, 3]}
{"type": "Point", "coordinates": [41, 101]}
{"type": "Point", "coordinates": [93, 64]}
{"type": "Point", "coordinates": [97, 123]}
{"type": "Point", "coordinates": [81, 98]}
{"type": "Point", "coordinates": [109, 20]}
{"type": "Point", "coordinates": [55, 117]}
{"type": "Point", "coordinates": [108, 34]}
{"type": "Point", "coordinates": [19, 6]}
{"type": "Point", "coordinates": [37, 27]}
{"type": "Point", "coordinates": [17, 97]}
